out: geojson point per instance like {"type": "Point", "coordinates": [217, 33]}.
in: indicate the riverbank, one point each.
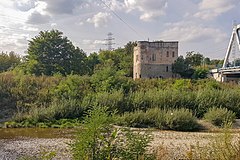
{"type": "Point", "coordinates": [169, 144]}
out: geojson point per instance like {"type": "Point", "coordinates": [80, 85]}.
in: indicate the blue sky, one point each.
{"type": "Point", "coordinates": [203, 26]}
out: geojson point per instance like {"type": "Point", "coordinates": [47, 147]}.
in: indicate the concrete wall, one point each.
{"type": "Point", "coordinates": [154, 59]}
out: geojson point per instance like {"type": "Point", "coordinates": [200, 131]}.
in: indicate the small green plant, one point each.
{"type": "Point", "coordinates": [99, 140]}
{"type": "Point", "coordinates": [94, 140]}
{"type": "Point", "coordinates": [181, 120]}
{"type": "Point", "coordinates": [133, 146]}
{"type": "Point", "coordinates": [219, 116]}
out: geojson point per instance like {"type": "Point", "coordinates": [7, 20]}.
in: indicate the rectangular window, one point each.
{"type": "Point", "coordinates": [173, 54]}
{"type": "Point", "coordinates": [166, 68]}
{"type": "Point", "coordinates": [167, 54]}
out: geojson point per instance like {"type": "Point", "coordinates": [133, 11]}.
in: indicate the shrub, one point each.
{"type": "Point", "coordinates": [99, 140]}
{"type": "Point", "coordinates": [219, 116]}
{"type": "Point", "coordinates": [132, 119]}
{"type": "Point", "coordinates": [176, 119]}
{"type": "Point", "coordinates": [181, 120]}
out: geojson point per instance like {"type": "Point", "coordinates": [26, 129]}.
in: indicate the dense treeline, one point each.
{"type": "Point", "coordinates": [42, 98]}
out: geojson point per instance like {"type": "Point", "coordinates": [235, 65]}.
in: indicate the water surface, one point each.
{"type": "Point", "coordinates": [11, 133]}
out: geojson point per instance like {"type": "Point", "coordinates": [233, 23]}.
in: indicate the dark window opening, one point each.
{"type": "Point", "coordinates": [167, 69]}
{"type": "Point", "coordinates": [173, 54]}
{"type": "Point", "coordinates": [167, 54]}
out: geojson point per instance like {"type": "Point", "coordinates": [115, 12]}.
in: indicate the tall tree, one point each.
{"type": "Point", "coordinates": [194, 59]}
{"type": "Point", "coordinates": [50, 53]}
{"type": "Point", "coordinates": [182, 67]}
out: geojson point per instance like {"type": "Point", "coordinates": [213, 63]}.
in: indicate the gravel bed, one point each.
{"type": "Point", "coordinates": [171, 145]}
{"type": "Point", "coordinates": [13, 149]}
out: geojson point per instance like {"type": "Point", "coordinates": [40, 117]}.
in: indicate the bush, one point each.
{"type": "Point", "coordinates": [176, 119]}
{"type": "Point", "coordinates": [181, 120]}
{"type": "Point", "coordinates": [219, 116]}
{"type": "Point", "coordinates": [154, 117]}
{"type": "Point", "coordinates": [98, 139]}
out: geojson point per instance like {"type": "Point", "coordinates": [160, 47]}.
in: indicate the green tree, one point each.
{"type": "Point", "coordinates": [92, 62]}
{"type": "Point", "coordinates": [217, 62]}
{"type": "Point", "coordinates": [194, 59]}
{"type": "Point", "coordinates": [50, 53]}
{"type": "Point", "coordinates": [9, 61]}
{"type": "Point", "coordinates": [181, 66]}
{"type": "Point", "coordinates": [200, 73]}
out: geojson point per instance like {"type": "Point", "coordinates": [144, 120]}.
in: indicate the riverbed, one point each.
{"type": "Point", "coordinates": [18, 143]}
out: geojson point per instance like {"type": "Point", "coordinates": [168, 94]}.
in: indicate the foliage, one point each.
{"type": "Point", "coordinates": [50, 53]}
{"type": "Point", "coordinates": [194, 59]}
{"type": "Point", "coordinates": [94, 141]}
{"type": "Point", "coordinates": [200, 73]}
{"type": "Point", "coordinates": [154, 117]}
{"type": "Point", "coordinates": [9, 61]}
{"type": "Point", "coordinates": [133, 146]}
{"type": "Point", "coordinates": [181, 66]}
{"type": "Point", "coordinates": [181, 119]}
{"type": "Point", "coordinates": [175, 119]}
{"type": "Point", "coordinates": [219, 116]}
{"type": "Point", "coordinates": [99, 140]}
{"type": "Point", "coordinates": [42, 99]}
{"type": "Point", "coordinates": [190, 67]}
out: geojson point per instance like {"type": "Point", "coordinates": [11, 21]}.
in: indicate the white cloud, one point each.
{"type": "Point", "coordinates": [26, 28]}
{"type": "Point", "coordinates": [103, 42]}
{"type": "Point", "coordinates": [190, 32]}
{"type": "Point", "coordinates": [100, 19]}
{"type": "Point", "coordinates": [209, 9]}
{"type": "Point", "coordinates": [151, 9]}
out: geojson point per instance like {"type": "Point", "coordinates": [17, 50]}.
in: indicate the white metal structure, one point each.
{"type": "Point", "coordinates": [235, 37]}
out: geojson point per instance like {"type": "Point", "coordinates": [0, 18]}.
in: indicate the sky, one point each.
{"type": "Point", "coordinates": [203, 26]}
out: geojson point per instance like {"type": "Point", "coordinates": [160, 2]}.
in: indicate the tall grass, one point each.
{"type": "Point", "coordinates": [33, 95]}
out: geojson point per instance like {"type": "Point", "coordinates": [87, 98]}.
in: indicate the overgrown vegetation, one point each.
{"type": "Point", "coordinates": [99, 140]}
{"type": "Point", "coordinates": [45, 99]}
{"type": "Point", "coordinates": [219, 116]}
{"type": "Point", "coordinates": [174, 119]}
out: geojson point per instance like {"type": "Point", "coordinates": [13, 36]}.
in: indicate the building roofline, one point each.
{"type": "Point", "coordinates": [158, 41]}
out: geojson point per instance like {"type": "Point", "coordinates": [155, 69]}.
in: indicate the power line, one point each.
{"type": "Point", "coordinates": [128, 25]}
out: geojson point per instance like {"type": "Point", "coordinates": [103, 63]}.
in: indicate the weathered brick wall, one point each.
{"type": "Point", "coordinates": [154, 59]}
